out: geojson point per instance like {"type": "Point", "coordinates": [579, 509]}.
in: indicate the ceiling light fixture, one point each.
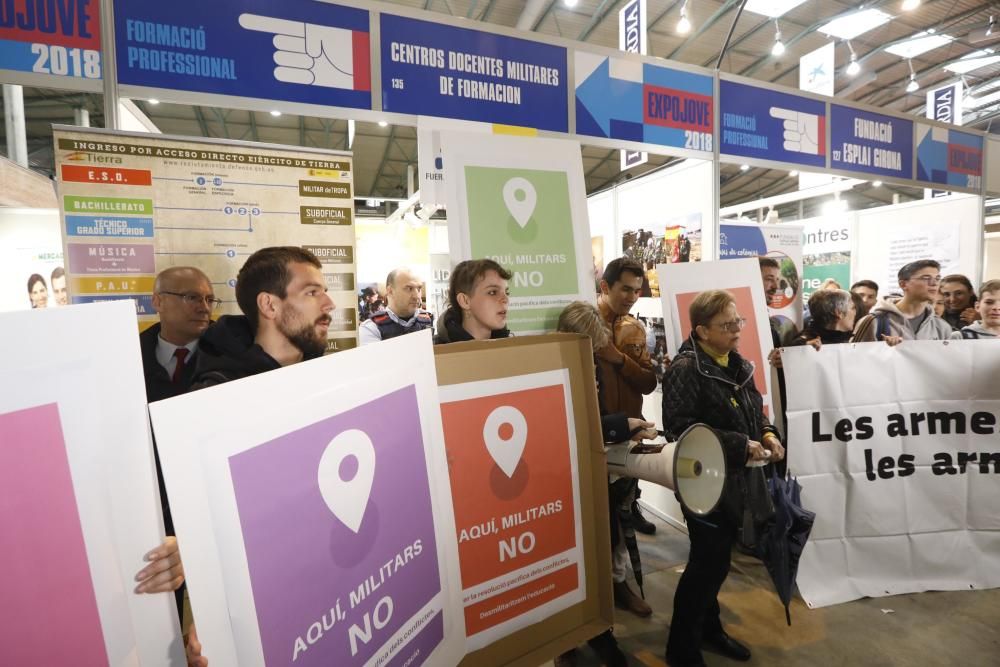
{"type": "Point", "coordinates": [275, 113]}
{"type": "Point", "coordinates": [684, 25]}
{"type": "Point", "coordinates": [876, 184]}
{"type": "Point", "coordinates": [570, 3]}
{"type": "Point", "coordinates": [793, 174]}
{"type": "Point", "coordinates": [744, 167]}
{"type": "Point", "coordinates": [854, 67]}
{"type": "Point", "coordinates": [910, 5]}
{"type": "Point", "coordinates": [382, 123]}
{"type": "Point", "coordinates": [779, 46]}
{"type": "Point", "coordinates": [153, 100]}
{"type": "Point", "coordinates": [912, 86]}
{"type": "Point", "coordinates": [989, 26]}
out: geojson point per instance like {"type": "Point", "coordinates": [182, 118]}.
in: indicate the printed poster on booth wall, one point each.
{"type": "Point", "coordinates": [782, 245]}
{"type": "Point", "coordinates": [135, 204]}
{"type": "Point", "coordinates": [826, 252]}
{"type": "Point", "coordinates": [512, 456]}
{"type": "Point", "coordinates": [521, 201]}
{"type": "Point", "coordinates": [328, 537]}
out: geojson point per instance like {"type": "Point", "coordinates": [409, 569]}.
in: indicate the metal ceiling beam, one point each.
{"type": "Point", "coordinates": [385, 157]}
{"type": "Point", "coordinates": [253, 126]}
{"type": "Point", "coordinates": [222, 121]}
{"type": "Point", "coordinates": [716, 15]}
{"type": "Point", "coordinates": [533, 14]}
{"type": "Point", "coordinates": [597, 18]}
{"type": "Point", "coordinates": [200, 115]}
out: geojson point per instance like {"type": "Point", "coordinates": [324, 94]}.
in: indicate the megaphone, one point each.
{"type": "Point", "coordinates": [694, 466]}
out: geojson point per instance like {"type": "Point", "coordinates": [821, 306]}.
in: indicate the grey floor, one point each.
{"type": "Point", "coordinates": [926, 629]}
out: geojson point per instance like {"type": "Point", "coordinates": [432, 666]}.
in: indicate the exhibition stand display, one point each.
{"type": "Point", "coordinates": [429, 550]}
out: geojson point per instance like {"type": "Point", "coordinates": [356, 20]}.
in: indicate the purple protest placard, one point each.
{"type": "Point", "coordinates": [339, 537]}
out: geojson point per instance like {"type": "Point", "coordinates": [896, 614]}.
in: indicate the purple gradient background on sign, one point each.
{"type": "Point", "coordinates": [302, 558]}
{"type": "Point", "coordinates": [80, 260]}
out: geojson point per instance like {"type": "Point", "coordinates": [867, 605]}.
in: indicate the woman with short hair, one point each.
{"type": "Point", "coordinates": [832, 318]}
{"type": "Point", "coordinates": [709, 382]}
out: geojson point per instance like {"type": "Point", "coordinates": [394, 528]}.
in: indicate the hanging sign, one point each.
{"type": "Point", "coordinates": [294, 51]}
{"type": "Point", "coordinates": [58, 39]}
{"type": "Point", "coordinates": [949, 157]}
{"type": "Point", "coordinates": [440, 70]}
{"type": "Point", "coordinates": [870, 142]}
{"type": "Point", "coordinates": [765, 124]}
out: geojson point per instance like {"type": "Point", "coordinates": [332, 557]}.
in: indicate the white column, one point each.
{"type": "Point", "coordinates": [13, 112]}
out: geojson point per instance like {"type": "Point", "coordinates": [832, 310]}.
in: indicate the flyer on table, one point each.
{"type": "Point", "coordinates": [330, 538]}
{"type": "Point", "coordinates": [521, 202]}
{"type": "Point", "coordinates": [512, 457]}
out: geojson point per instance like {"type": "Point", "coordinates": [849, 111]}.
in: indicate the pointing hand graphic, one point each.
{"type": "Point", "coordinates": [306, 53]}
{"type": "Point", "coordinates": [801, 130]}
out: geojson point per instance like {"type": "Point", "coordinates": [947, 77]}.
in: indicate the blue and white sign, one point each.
{"type": "Point", "coordinates": [870, 142]}
{"type": "Point", "coordinates": [294, 51]}
{"type": "Point", "coordinates": [440, 70]}
{"type": "Point", "coordinates": [620, 98]}
{"type": "Point", "coordinates": [768, 125]}
{"type": "Point", "coordinates": [949, 157]}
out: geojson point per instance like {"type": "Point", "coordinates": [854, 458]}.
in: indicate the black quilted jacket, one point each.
{"type": "Point", "coordinates": [698, 390]}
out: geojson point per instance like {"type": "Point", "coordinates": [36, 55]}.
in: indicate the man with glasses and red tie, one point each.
{"type": "Point", "coordinates": [183, 298]}
{"type": "Point", "coordinates": [911, 317]}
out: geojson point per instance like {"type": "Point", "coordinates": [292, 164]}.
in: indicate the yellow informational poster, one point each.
{"type": "Point", "coordinates": [134, 204]}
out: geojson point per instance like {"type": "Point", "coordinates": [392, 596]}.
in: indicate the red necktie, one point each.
{"type": "Point", "coordinates": [180, 354]}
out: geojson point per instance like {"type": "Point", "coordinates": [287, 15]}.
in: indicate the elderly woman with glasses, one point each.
{"type": "Point", "coordinates": [709, 382]}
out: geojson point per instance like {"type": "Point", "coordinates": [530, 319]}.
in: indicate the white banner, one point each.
{"type": "Point", "coordinates": [897, 452]}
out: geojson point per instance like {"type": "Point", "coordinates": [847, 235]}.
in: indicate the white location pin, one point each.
{"type": "Point", "coordinates": [347, 498]}
{"type": "Point", "coordinates": [520, 197]}
{"type": "Point", "coordinates": [507, 453]}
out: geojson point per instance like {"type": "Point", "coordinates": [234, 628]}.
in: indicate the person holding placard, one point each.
{"type": "Point", "coordinates": [626, 373]}
{"type": "Point", "coordinates": [959, 301]}
{"type": "Point", "coordinates": [832, 318]}
{"type": "Point", "coordinates": [283, 295]}
{"type": "Point", "coordinates": [911, 317]}
{"type": "Point", "coordinates": [477, 303]}
{"type": "Point", "coordinates": [867, 291]}
{"type": "Point", "coordinates": [988, 312]}
{"type": "Point", "coordinates": [709, 382]}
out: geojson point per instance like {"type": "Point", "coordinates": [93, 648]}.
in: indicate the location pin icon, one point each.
{"type": "Point", "coordinates": [520, 197]}
{"type": "Point", "coordinates": [345, 475]}
{"type": "Point", "coordinates": [506, 452]}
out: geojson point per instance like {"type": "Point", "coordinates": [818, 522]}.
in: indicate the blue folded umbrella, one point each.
{"type": "Point", "coordinates": [782, 540]}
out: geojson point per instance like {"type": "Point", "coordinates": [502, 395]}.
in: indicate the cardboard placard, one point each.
{"type": "Point", "coordinates": [532, 364]}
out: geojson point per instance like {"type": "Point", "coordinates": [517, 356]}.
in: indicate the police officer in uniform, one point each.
{"type": "Point", "coordinates": [403, 313]}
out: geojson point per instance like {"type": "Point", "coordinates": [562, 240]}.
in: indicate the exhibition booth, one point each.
{"type": "Point", "coordinates": [503, 123]}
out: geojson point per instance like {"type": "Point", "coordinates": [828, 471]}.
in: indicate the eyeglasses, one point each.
{"type": "Point", "coordinates": [195, 299]}
{"type": "Point", "coordinates": [732, 326]}
{"type": "Point", "coordinates": [929, 280]}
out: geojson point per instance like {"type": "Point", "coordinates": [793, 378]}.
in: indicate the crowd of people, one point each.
{"type": "Point", "coordinates": [285, 318]}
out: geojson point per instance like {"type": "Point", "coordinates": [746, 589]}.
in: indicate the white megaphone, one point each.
{"type": "Point", "coordinates": [694, 466]}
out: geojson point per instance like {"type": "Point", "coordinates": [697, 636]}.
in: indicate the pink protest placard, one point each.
{"type": "Point", "coordinates": [47, 584]}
